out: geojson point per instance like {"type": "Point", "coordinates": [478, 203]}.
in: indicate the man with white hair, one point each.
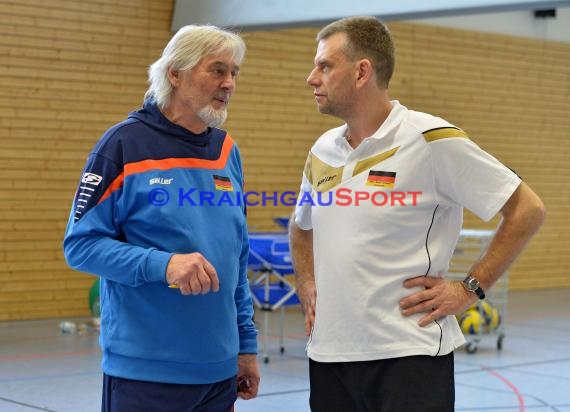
{"type": "Point", "coordinates": [177, 332]}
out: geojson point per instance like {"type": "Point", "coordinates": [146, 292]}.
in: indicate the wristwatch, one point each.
{"type": "Point", "coordinates": [471, 284]}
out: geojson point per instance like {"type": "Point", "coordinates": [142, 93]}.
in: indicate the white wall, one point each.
{"type": "Point", "coordinates": [517, 23]}
{"type": "Point", "coordinates": [251, 14]}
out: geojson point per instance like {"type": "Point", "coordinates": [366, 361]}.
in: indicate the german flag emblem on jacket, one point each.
{"type": "Point", "coordinates": [223, 183]}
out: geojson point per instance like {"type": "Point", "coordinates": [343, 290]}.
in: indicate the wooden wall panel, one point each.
{"type": "Point", "coordinates": [70, 69]}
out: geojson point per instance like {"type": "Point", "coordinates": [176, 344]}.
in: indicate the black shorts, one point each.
{"type": "Point", "coordinates": [126, 395]}
{"type": "Point", "coordinates": [408, 384]}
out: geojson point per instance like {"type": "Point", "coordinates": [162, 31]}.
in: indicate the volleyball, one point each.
{"type": "Point", "coordinates": [483, 307]}
{"type": "Point", "coordinates": [490, 316]}
{"type": "Point", "coordinates": [492, 321]}
{"type": "Point", "coordinates": [471, 322]}
{"type": "Point", "coordinates": [486, 309]}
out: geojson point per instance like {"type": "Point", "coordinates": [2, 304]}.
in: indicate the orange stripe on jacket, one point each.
{"type": "Point", "coordinates": [115, 185]}
{"type": "Point", "coordinates": [171, 163]}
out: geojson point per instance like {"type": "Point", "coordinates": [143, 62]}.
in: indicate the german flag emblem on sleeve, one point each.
{"type": "Point", "coordinates": [223, 183]}
{"type": "Point", "coordinates": [378, 178]}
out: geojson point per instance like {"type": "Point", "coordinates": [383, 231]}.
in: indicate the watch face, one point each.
{"type": "Point", "coordinates": [472, 284]}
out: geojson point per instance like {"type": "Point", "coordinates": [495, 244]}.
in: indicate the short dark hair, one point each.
{"type": "Point", "coordinates": [367, 38]}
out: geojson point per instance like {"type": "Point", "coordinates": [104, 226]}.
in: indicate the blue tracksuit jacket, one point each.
{"type": "Point", "coordinates": [151, 188]}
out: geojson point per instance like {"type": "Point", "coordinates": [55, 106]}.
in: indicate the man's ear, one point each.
{"type": "Point", "coordinates": [365, 71]}
{"type": "Point", "coordinates": [173, 76]}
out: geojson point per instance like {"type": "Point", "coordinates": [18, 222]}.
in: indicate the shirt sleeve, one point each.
{"type": "Point", "coordinates": [303, 209]}
{"type": "Point", "coordinates": [468, 176]}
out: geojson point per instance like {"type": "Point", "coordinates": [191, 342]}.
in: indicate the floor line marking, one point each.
{"type": "Point", "coordinates": [26, 405]}
{"type": "Point", "coordinates": [513, 388]}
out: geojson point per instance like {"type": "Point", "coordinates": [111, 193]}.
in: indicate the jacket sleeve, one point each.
{"type": "Point", "coordinates": [244, 304]}
{"type": "Point", "coordinates": [93, 241]}
{"type": "Point", "coordinates": [243, 300]}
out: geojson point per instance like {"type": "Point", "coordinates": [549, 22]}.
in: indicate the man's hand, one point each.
{"type": "Point", "coordinates": [307, 293]}
{"type": "Point", "coordinates": [302, 256]}
{"type": "Point", "coordinates": [440, 298]}
{"type": "Point", "coordinates": [248, 376]}
{"type": "Point", "coordinates": [192, 274]}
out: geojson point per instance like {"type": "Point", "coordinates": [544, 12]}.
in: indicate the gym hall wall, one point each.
{"type": "Point", "coordinates": [71, 70]}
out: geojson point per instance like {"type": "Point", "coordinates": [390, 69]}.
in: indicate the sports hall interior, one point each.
{"type": "Point", "coordinates": [69, 69]}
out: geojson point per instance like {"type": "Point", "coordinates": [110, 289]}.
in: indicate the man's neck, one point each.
{"type": "Point", "coordinates": [192, 123]}
{"type": "Point", "coordinates": [367, 120]}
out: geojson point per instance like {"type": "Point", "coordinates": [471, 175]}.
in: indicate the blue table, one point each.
{"type": "Point", "coordinates": [269, 264]}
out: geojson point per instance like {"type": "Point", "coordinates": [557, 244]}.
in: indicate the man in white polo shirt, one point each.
{"type": "Point", "coordinates": [371, 249]}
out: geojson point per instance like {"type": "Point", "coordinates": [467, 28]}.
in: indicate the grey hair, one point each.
{"type": "Point", "coordinates": [186, 48]}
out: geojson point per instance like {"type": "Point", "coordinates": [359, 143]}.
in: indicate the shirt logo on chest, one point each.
{"type": "Point", "coordinates": [160, 181]}
{"type": "Point", "coordinates": [223, 183]}
{"type": "Point", "coordinates": [379, 178]}
{"type": "Point", "coordinates": [325, 179]}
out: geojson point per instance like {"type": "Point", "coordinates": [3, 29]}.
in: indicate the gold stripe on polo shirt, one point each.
{"type": "Point", "coordinates": [443, 133]}
{"type": "Point", "coordinates": [321, 175]}
{"type": "Point", "coordinates": [307, 171]}
{"type": "Point", "coordinates": [369, 162]}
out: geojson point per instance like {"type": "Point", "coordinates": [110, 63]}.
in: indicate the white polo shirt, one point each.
{"type": "Point", "coordinates": [411, 179]}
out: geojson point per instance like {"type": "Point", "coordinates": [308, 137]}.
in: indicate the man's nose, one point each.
{"type": "Point", "coordinates": [229, 82]}
{"type": "Point", "coordinates": [312, 79]}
